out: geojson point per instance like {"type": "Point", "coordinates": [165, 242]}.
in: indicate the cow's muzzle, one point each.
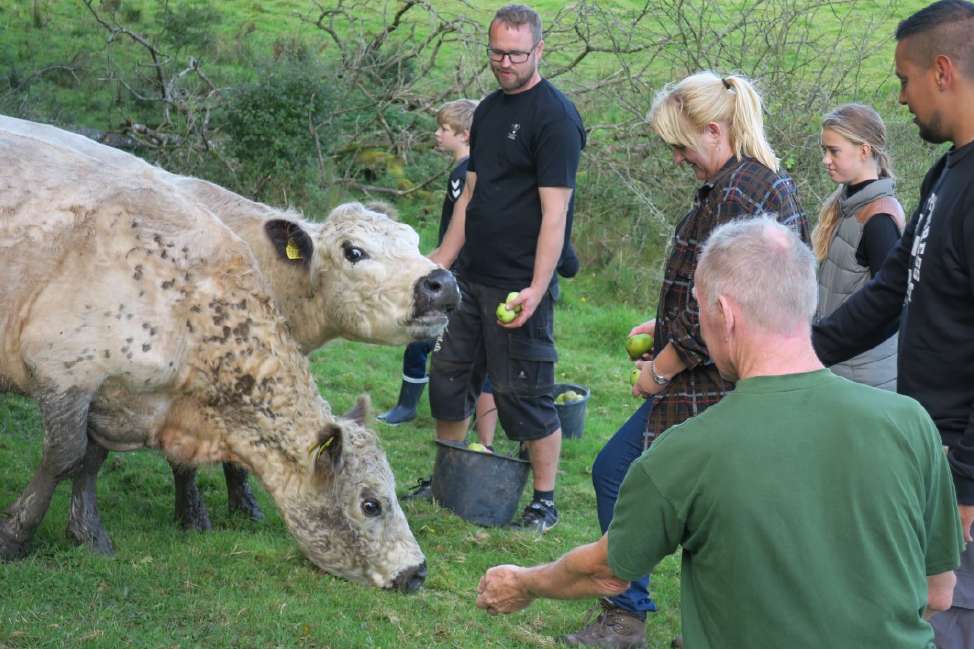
{"type": "Point", "coordinates": [410, 579]}
{"type": "Point", "coordinates": [436, 292]}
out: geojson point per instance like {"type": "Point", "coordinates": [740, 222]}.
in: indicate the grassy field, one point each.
{"type": "Point", "coordinates": [246, 584]}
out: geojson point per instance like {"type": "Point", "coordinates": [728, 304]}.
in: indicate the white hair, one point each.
{"type": "Point", "coordinates": [764, 267]}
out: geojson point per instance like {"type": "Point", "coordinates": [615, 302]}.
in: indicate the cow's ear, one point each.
{"type": "Point", "coordinates": [383, 208]}
{"type": "Point", "coordinates": [361, 412]}
{"type": "Point", "coordinates": [327, 453]}
{"type": "Point", "coordinates": [292, 243]}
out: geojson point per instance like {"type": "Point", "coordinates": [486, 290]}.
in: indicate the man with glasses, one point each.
{"type": "Point", "coordinates": [515, 218]}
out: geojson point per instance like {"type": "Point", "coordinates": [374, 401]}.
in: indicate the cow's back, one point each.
{"type": "Point", "coordinates": [100, 267]}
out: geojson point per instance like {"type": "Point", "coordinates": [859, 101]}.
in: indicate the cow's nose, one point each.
{"type": "Point", "coordinates": [410, 579]}
{"type": "Point", "coordinates": [438, 290]}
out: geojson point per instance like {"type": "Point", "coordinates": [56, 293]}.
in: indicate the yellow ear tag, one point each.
{"type": "Point", "coordinates": [318, 448]}
{"type": "Point", "coordinates": [293, 252]}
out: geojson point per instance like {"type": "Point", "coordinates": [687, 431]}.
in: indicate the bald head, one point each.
{"type": "Point", "coordinates": [942, 28]}
{"type": "Point", "coordinates": [764, 268]}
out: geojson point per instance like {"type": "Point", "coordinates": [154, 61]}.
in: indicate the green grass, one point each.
{"type": "Point", "coordinates": [246, 584]}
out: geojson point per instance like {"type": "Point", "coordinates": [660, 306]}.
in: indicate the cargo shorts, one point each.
{"type": "Point", "coordinates": [520, 363]}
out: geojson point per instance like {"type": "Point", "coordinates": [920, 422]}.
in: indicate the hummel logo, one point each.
{"type": "Point", "coordinates": [514, 129]}
{"type": "Point", "coordinates": [455, 189]}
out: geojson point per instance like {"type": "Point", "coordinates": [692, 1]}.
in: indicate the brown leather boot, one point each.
{"type": "Point", "coordinates": [614, 628]}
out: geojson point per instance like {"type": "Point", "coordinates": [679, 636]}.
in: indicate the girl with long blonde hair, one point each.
{"type": "Point", "coordinates": [858, 225]}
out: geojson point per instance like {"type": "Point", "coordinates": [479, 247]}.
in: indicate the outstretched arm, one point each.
{"type": "Point", "coordinates": [581, 573]}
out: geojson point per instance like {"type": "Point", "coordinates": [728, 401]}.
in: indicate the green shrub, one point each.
{"type": "Point", "coordinates": [271, 120]}
{"type": "Point", "coordinates": [187, 24]}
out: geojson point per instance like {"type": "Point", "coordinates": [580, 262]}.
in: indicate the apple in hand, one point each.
{"type": "Point", "coordinates": [638, 345]}
{"type": "Point", "coordinates": [634, 376]}
{"type": "Point", "coordinates": [510, 298]}
{"type": "Point", "coordinates": [506, 314]}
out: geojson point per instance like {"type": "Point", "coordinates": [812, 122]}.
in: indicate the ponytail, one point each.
{"type": "Point", "coordinates": [747, 124]}
{"type": "Point", "coordinates": [828, 220]}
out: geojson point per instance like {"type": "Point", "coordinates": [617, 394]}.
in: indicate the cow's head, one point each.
{"type": "Point", "coordinates": [344, 513]}
{"type": "Point", "coordinates": [368, 279]}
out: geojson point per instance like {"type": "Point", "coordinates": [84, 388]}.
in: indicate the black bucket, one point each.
{"type": "Point", "coordinates": [572, 415]}
{"type": "Point", "coordinates": [482, 488]}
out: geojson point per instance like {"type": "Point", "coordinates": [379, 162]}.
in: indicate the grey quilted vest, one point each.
{"type": "Point", "coordinates": [841, 275]}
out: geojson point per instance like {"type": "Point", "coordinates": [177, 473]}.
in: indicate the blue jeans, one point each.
{"type": "Point", "coordinates": [414, 358]}
{"type": "Point", "coordinates": [610, 467]}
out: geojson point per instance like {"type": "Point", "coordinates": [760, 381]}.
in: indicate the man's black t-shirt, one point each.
{"type": "Point", "coordinates": [518, 143]}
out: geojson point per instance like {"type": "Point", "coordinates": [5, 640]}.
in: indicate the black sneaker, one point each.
{"type": "Point", "coordinates": [540, 516]}
{"type": "Point", "coordinates": [422, 489]}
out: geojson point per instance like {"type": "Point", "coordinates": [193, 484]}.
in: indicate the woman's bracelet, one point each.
{"type": "Point", "coordinates": [656, 377]}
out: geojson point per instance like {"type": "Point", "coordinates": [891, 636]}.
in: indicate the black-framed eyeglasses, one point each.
{"type": "Point", "coordinates": [515, 57]}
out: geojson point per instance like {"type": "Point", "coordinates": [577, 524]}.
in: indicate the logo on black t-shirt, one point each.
{"type": "Point", "coordinates": [919, 245]}
{"type": "Point", "coordinates": [514, 129]}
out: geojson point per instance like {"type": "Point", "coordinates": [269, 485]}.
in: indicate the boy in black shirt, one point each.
{"type": "Point", "coordinates": [453, 136]}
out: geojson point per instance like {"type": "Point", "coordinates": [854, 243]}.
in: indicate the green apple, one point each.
{"type": "Point", "coordinates": [477, 446]}
{"type": "Point", "coordinates": [638, 345]}
{"type": "Point", "coordinates": [510, 298]}
{"type": "Point", "coordinates": [634, 376]}
{"type": "Point", "coordinates": [504, 314]}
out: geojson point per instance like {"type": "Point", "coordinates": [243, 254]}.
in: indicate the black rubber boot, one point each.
{"type": "Point", "coordinates": [405, 410]}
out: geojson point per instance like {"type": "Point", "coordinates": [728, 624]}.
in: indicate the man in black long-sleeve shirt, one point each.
{"type": "Point", "coordinates": [926, 285]}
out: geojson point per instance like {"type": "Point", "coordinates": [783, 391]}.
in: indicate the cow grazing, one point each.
{"type": "Point", "coordinates": [136, 318]}
{"type": "Point", "coordinates": [358, 275]}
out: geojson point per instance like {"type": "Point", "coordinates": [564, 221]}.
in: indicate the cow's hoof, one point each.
{"type": "Point", "coordinates": [197, 520]}
{"type": "Point", "coordinates": [10, 548]}
{"type": "Point", "coordinates": [245, 505]}
{"type": "Point", "coordinates": [94, 538]}
{"type": "Point", "coordinates": [240, 498]}
{"type": "Point", "coordinates": [191, 512]}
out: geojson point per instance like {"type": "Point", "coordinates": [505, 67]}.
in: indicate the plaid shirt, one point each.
{"type": "Point", "coordinates": [741, 188]}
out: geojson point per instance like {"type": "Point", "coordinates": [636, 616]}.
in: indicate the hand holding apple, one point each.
{"type": "Point", "coordinates": [638, 345]}
{"type": "Point", "coordinates": [504, 315]}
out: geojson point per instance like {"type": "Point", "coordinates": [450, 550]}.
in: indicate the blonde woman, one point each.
{"type": "Point", "coordinates": [715, 126]}
{"type": "Point", "coordinates": [858, 226]}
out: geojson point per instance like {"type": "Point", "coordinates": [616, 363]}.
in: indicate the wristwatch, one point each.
{"type": "Point", "coordinates": [656, 377]}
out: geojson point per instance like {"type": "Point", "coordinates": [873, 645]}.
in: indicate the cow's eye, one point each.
{"type": "Point", "coordinates": [371, 507]}
{"type": "Point", "coordinates": [354, 254]}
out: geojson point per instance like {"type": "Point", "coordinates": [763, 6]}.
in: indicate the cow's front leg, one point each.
{"type": "Point", "coordinates": [240, 498]}
{"type": "Point", "coordinates": [84, 524]}
{"type": "Point", "coordinates": [190, 510]}
{"type": "Point", "coordinates": [65, 417]}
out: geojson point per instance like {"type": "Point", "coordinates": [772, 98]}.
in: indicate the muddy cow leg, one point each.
{"type": "Point", "coordinates": [65, 417]}
{"type": "Point", "coordinates": [190, 510]}
{"type": "Point", "coordinates": [84, 524]}
{"type": "Point", "coordinates": [240, 498]}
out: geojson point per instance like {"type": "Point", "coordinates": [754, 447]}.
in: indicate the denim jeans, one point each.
{"type": "Point", "coordinates": [609, 469]}
{"type": "Point", "coordinates": [414, 358]}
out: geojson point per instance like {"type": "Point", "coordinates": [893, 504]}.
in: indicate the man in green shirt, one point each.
{"type": "Point", "coordinates": [812, 511]}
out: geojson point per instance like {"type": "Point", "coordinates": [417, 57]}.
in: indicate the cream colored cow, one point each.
{"type": "Point", "coordinates": [136, 318]}
{"type": "Point", "coordinates": [358, 275]}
